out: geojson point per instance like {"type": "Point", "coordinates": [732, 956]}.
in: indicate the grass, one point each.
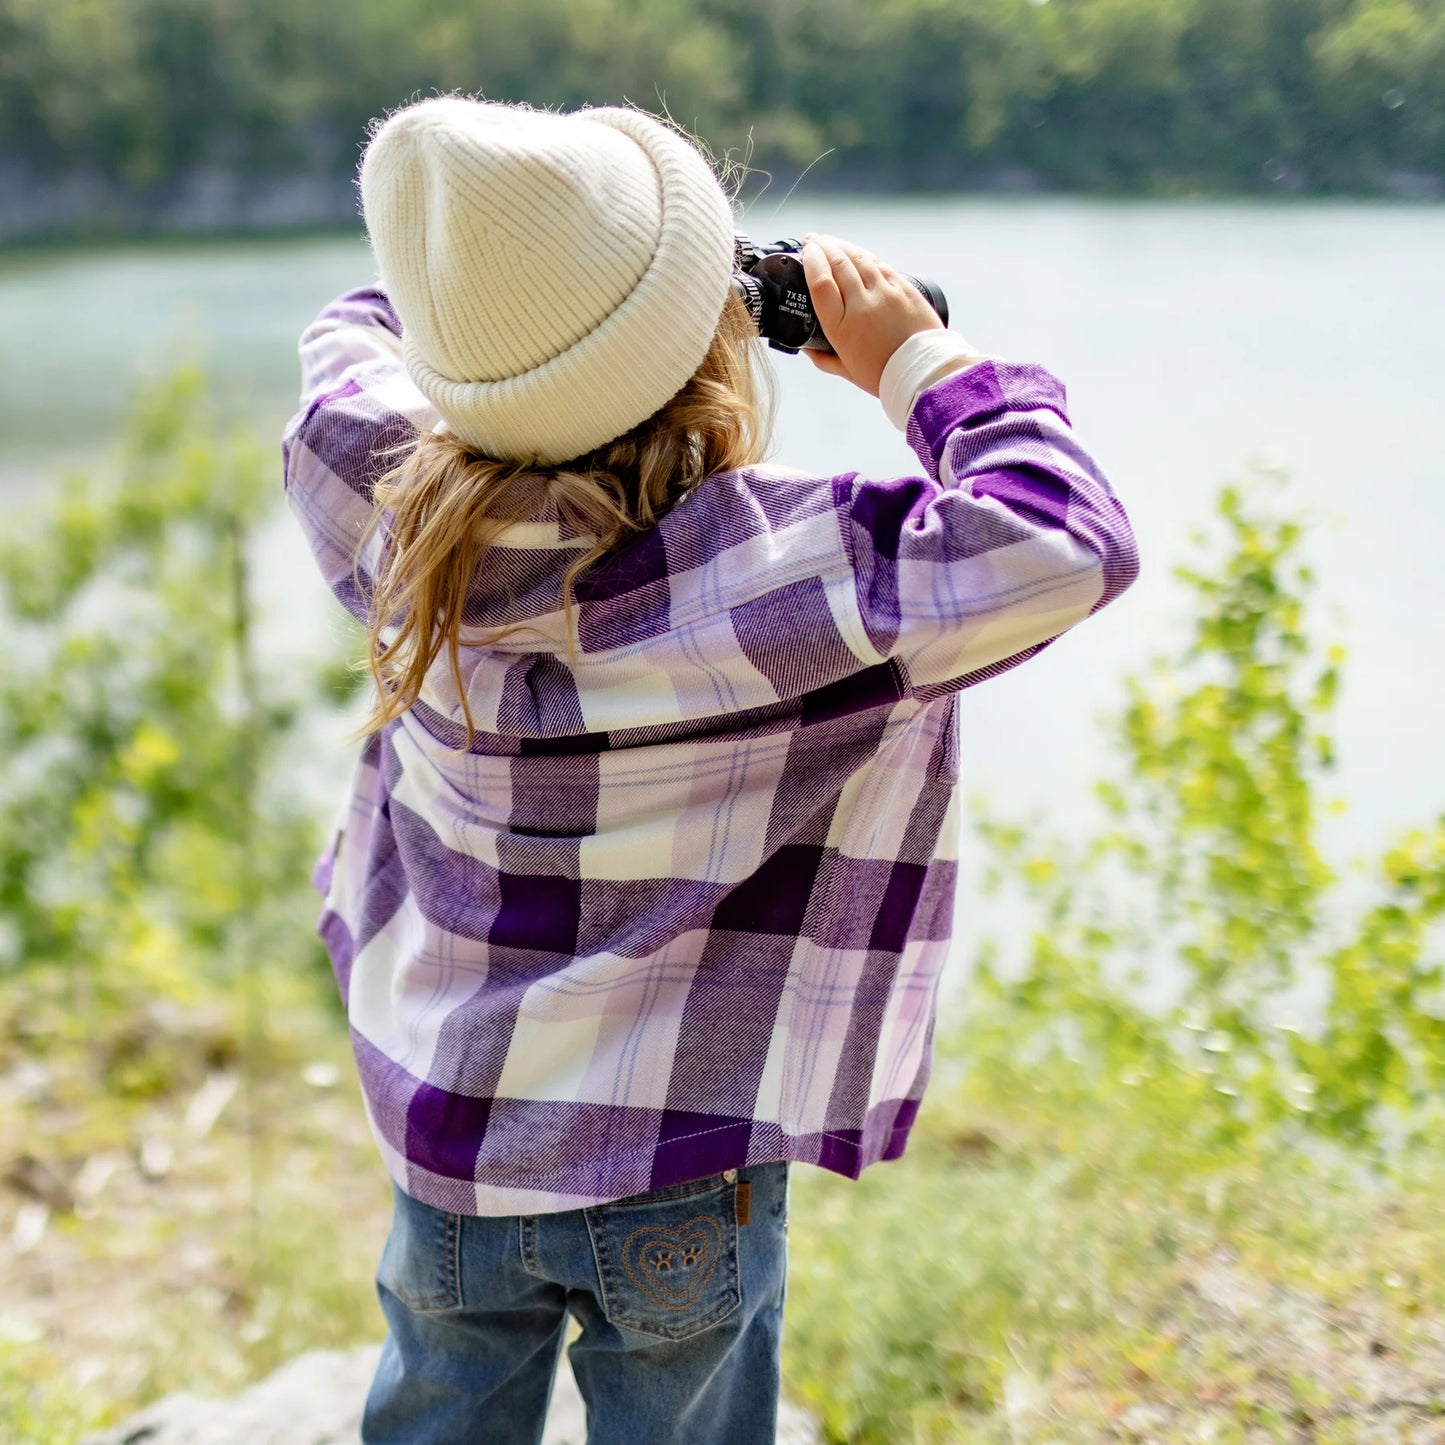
{"type": "Point", "coordinates": [1027, 1274]}
{"type": "Point", "coordinates": [1037, 1268]}
{"type": "Point", "coordinates": [178, 1271]}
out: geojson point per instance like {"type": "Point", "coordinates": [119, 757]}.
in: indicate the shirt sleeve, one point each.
{"type": "Point", "coordinates": [1011, 537]}
{"type": "Point", "coordinates": [358, 406]}
{"type": "Point", "coordinates": [927, 357]}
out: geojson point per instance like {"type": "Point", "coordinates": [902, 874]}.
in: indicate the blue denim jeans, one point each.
{"type": "Point", "coordinates": [679, 1293]}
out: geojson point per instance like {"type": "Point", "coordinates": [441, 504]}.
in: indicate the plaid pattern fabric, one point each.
{"type": "Point", "coordinates": [683, 904]}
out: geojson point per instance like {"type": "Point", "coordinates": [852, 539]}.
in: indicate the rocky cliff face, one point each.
{"type": "Point", "coordinates": [88, 204]}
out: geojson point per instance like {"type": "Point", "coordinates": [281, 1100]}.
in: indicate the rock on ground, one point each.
{"type": "Point", "coordinates": [316, 1399]}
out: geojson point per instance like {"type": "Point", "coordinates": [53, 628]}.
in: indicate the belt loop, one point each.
{"type": "Point", "coordinates": [527, 1241]}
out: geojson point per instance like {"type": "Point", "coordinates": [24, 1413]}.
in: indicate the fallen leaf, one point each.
{"type": "Point", "coordinates": [208, 1103]}
{"type": "Point", "coordinates": [95, 1174]}
{"type": "Point", "coordinates": [30, 1225]}
{"type": "Point", "coordinates": [156, 1157]}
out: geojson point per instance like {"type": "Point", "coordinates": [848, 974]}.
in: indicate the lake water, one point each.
{"type": "Point", "coordinates": [1192, 338]}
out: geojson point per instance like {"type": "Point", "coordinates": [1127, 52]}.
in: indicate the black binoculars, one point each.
{"type": "Point", "coordinates": [770, 282]}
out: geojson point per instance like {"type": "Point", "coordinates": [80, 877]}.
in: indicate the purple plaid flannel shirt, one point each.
{"type": "Point", "coordinates": [684, 903]}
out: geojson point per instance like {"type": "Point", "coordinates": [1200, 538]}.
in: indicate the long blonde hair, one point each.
{"type": "Point", "coordinates": [448, 505]}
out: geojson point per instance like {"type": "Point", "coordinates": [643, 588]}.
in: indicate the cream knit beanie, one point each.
{"type": "Point", "coordinates": [558, 277]}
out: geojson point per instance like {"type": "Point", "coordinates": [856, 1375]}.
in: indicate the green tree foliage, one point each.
{"type": "Point", "coordinates": [1135, 95]}
{"type": "Point", "coordinates": [147, 846]}
{"type": "Point", "coordinates": [1208, 885]}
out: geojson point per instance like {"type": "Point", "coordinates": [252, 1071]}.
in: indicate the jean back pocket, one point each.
{"type": "Point", "coordinates": [421, 1261]}
{"type": "Point", "coordinates": [668, 1260]}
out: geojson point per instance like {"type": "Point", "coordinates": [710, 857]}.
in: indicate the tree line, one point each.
{"type": "Point", "coordinates": [1125, 96]}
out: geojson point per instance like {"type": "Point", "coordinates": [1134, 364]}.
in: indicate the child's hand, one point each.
{"type": "Point", "coordinates": [866, 309]}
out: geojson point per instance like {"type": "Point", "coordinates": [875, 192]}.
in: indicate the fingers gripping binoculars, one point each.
{"type": "Point", "coordinates": [769, 281]}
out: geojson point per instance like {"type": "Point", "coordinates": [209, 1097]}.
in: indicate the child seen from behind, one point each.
{"type": "Point", "coordinates": [644, 881]}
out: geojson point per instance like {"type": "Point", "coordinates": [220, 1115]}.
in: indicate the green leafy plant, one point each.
{"type": "Point", "coordinates": [148, 847]}
{"type": "Point", "coordinates": [1209, 873]}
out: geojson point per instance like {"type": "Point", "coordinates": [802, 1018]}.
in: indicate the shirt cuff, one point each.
{"type": "Point", "coordinates": [922, 361]}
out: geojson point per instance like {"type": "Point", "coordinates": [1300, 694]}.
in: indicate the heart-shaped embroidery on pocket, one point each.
{"type": "Point", "coordinates": [671, 1266]}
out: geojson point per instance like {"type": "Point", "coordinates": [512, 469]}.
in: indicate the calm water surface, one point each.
{"type": "Point", "coordinates": [1192, 338]}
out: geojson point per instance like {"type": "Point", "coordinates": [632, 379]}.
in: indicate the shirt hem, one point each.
{"type": "Point", "coordinates": [671, 1162]}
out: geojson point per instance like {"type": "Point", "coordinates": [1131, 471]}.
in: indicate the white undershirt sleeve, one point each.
{"type": "Point", "coordinates": [922, 361]}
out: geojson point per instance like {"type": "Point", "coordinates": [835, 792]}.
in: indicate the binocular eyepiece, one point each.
{"type": "Point", "coordinates": [770, 282]}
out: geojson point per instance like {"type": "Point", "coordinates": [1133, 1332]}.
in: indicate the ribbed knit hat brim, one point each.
{"type": "Point", "coordinates": [558, 277]}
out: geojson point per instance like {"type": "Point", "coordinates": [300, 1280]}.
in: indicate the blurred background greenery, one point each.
{"type": "Point", "coordinates": [139, 99]}
{"type": "Point", "coordinates": [1178, 1175]}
